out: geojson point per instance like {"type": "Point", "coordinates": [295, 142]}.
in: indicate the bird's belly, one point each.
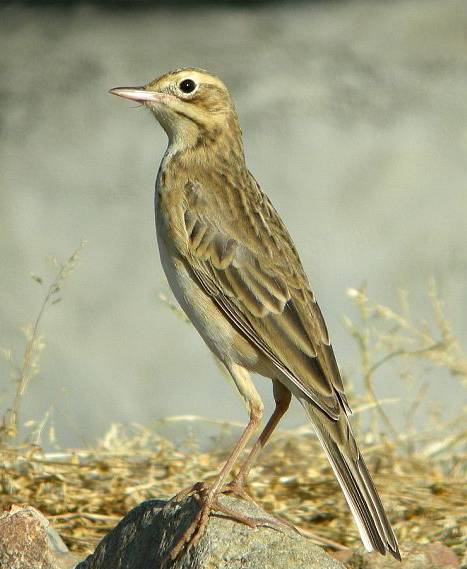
{"type": "Point", "coordinates": [220, 336]}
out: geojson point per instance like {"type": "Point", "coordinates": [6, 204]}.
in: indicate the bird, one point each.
{"type": "Point", "coordinates": [236, 273]}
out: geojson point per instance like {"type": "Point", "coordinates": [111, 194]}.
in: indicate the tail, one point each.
{"type": "Point", "coordinates": [352, 474]}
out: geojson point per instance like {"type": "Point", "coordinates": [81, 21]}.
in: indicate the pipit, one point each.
{"type": "Point", "coordinates": [234, 269]}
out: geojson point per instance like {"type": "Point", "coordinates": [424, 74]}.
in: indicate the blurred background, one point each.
{"type": "Point", "coordinates": [354, 117]}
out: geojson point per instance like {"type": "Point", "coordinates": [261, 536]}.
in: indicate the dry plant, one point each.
{"type": "Point", "coordinates": [85, 492]}
{"type": "Point", "coordinates": [29, 367]}
{"type": "Point", "coordinates": [385, 336]}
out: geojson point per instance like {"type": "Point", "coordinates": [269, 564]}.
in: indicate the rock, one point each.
{"type": "Point", "coordinates": [414, 556]}
{"type": "Point", "coordinates": [28, 542]}
{"type": "Point", "coordinates": [144, 536]}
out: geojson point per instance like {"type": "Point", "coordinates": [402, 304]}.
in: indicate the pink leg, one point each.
{"type": "Point", "coordinates": [207, 496]}
{"type": "Point", "coordinates": [282, 397]}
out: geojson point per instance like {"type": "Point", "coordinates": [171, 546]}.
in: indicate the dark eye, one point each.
{"type": "Point", "coordinates": [187, 85]}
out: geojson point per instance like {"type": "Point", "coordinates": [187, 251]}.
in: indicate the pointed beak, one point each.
{"type": "Point", "coordinates": [137, 94]}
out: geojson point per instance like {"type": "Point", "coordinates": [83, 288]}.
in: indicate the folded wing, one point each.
{"type": "Point", "coordinates": [252, 271]}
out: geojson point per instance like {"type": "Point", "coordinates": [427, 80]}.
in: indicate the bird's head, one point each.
{"type": "Point", "coordinates": [193, 106]}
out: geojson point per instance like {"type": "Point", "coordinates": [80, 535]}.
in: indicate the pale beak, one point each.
{"type": "Point", "coordinates": [137, 94]}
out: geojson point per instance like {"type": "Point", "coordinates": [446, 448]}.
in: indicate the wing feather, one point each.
{"type": "Point", "coordinates": [255, 276]}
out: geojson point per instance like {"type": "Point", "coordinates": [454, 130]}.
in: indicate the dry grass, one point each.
{"type": "Point", "coordinates": [85, 492]}
{"type": "Point", "coordinates": [420, 471]}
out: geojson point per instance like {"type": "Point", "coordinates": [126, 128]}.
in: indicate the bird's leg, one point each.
{"type": "Point", "coordinates": [207, 495]}
{"type": "Point", "coordinates": [282, 397]}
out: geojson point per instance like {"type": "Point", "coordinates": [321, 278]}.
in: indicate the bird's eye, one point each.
{"type": "Point", "coordinates": [187, 86]}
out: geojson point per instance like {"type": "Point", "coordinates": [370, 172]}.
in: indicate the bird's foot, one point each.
{"type": "Point", "coordinates": [207, 499]}
{"type": "Point", "coordinates": [196, 489]}
{"type": "Point", "coordinates": [195, 531]}
{"type": "Point", "coordinates": [236, 488]}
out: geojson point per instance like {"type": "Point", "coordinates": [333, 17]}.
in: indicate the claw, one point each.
{"type": "Point", "coordinates": [195, 531]}
{"type": "Point", "coordinates": [208, 502]}
{"type": "Point", "coordinates": [197, 488]}
{"type": "Point", "coordinates": [237, 488]}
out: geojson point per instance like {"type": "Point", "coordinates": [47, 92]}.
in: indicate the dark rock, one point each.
{"type": "Point", "coordinates": [144, 537]}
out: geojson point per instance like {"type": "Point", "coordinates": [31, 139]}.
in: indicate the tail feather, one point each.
{"type": "Point", "coordinates": [352, 474]}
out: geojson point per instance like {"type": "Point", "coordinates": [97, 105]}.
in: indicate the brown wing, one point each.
{"type": "Point", "coordinates": [250, 267]}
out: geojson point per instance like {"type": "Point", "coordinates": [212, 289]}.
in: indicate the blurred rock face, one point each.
{"type": "Point", "coordinates": [354, 121]}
